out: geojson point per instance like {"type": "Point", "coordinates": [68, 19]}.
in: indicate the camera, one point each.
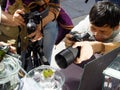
{"type": "Point", "coordinates": [67, 56]}
{"type": "Point", "coordinates": [34, 18]}
{"type": "Point", "coordinates": [77, 37]}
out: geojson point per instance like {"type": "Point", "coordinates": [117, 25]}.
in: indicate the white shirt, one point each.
{"type": "Point", "coordinates": [84, 26]}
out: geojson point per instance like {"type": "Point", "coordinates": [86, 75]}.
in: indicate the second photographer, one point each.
{"type": "Point", "coordinates": [103, 24]}
{"type": "Point", "coordinates": [47, 29]}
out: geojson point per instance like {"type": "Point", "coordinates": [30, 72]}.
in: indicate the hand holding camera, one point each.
{"type": "Point", "coordinates": [67, 56]}
{"type": "Point", "coordinates": [33, 18]}
{"type": "Point", "coordinates": [73, 37]}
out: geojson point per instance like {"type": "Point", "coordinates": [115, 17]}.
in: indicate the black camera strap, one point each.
{"type": "Point", "coordinates": [19, 42]}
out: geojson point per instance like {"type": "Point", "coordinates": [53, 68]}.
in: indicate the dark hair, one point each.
{"type": "Point", "coordinates": [105, 13]}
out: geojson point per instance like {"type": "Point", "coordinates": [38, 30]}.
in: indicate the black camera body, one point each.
{"type": "Point", "coordinates": [67, 56]}
{"type": "Point", "coordinates": [77, 37]}
{"type": "Point", "coordinates": [34, 18]}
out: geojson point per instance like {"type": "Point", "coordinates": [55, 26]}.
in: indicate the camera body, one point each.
{"type": "Point", "coordinates": [67, 56]}
{"type": "Point", "coordinates": [77, 37]}
{"type": "Point", "coordinates": [34, 18]}
{"type": "Point", "coordinates": [31, 20]}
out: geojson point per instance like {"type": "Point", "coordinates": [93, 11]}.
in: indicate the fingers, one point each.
{"type": "Point", "coordinates": [82, 43]}
{"type": "Point", "coordinates": [86, 51]}
{"type": "Point", "coordinates": [37, 35]}
{"type": "Point", "coordinates": [67, 40]}
{"type": "Point", "coordinates": [17, 18]}
{"type": "Point", "coordinates": [20, 11]}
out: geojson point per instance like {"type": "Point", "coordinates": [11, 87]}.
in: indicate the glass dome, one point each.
{"type": "Point", "coordinates": [9, 66]}
{"type": "Point", "coordinates": [47, 77]}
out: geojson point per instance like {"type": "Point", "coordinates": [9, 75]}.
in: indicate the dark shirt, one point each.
{"type": "Point", "coordinates": [117, 2]}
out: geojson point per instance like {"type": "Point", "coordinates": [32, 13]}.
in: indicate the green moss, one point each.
{"type": "Point", "coordinates": [48, 73]}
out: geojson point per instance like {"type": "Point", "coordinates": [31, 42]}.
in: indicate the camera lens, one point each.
{"type": "Point", "coordinates": [66, 57]}
{"type": "Point", "coordinates": [31, 26]}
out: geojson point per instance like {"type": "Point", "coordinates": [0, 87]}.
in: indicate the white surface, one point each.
{"type": "Point", "coordinates": [56, 50]}
{"type": "Point", "coordinates": [30, 84]}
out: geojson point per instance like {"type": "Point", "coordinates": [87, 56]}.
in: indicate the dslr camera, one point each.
{"type": "Point", "coordinates": [67, 56]}
{"type": "Point", "coordinates": [34, 18]}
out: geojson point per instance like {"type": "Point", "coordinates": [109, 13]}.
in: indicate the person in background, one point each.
{"type": "Point", "coordinates": [102, 23]}
{"type": "Point", "coordinates": [47, 30]}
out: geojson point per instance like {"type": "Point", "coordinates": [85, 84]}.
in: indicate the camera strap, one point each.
{"type": "Point", "coordinates": [19, 42]}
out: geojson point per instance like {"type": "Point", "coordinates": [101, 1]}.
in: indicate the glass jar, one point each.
{"type": "Point", "coordinates": [54, 79]}
{"type": "Point", "coordinates": [9, 68]}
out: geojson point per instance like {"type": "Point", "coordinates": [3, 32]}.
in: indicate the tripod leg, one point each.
{"type": "Point", "coordinates": [43, 58]}
{"type": "Point", "coordinates": [28, 60]}
{"type": "Point", "coordinates": [36, 59]}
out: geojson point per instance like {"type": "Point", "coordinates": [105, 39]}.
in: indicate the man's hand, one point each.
{"type": "Point", "coordinates": [86, 51]}
{"type": "Point", "coordinates": [67, 40]}
{"type": "Point", "coordinates": [13, 20]}
{"type": "Point", "coordinates": [88, 48]}
{"type": "Point", "coordinates": [37, 35]}
{"type": "Point", "coordinates": [17, 18]}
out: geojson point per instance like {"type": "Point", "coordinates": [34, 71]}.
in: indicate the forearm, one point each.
{"type": "Point", "coordinates": [48, 18]}
{"type": "Point", "coordinates": [54, 9]}
{"type": "Point", "coordinates": [99, 47]}
{"type": "Point", "coordinates": [6, 18]}
{"type": "Point", "coordinates": [110, 46]}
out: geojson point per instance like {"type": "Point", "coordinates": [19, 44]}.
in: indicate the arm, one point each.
{"type": "Point", "coordinates": [110, 46]}
{"type": "Point", "coordinates": [12, 20]}
{"type": "Point", "coordinates": [88, 48]}
{"type": "Point", "coordinates": [103, 48]}
{"type": "Point", "coordinates": [54, 10]}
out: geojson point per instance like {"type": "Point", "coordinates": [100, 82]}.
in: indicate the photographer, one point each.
{"type": "Point", "coordinates": [47, 30]}
{"type": "Point", "coordinates": [102, 23]}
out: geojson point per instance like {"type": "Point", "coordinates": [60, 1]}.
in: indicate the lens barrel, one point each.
{"type": "Point", "coordinates": [66, 57]}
